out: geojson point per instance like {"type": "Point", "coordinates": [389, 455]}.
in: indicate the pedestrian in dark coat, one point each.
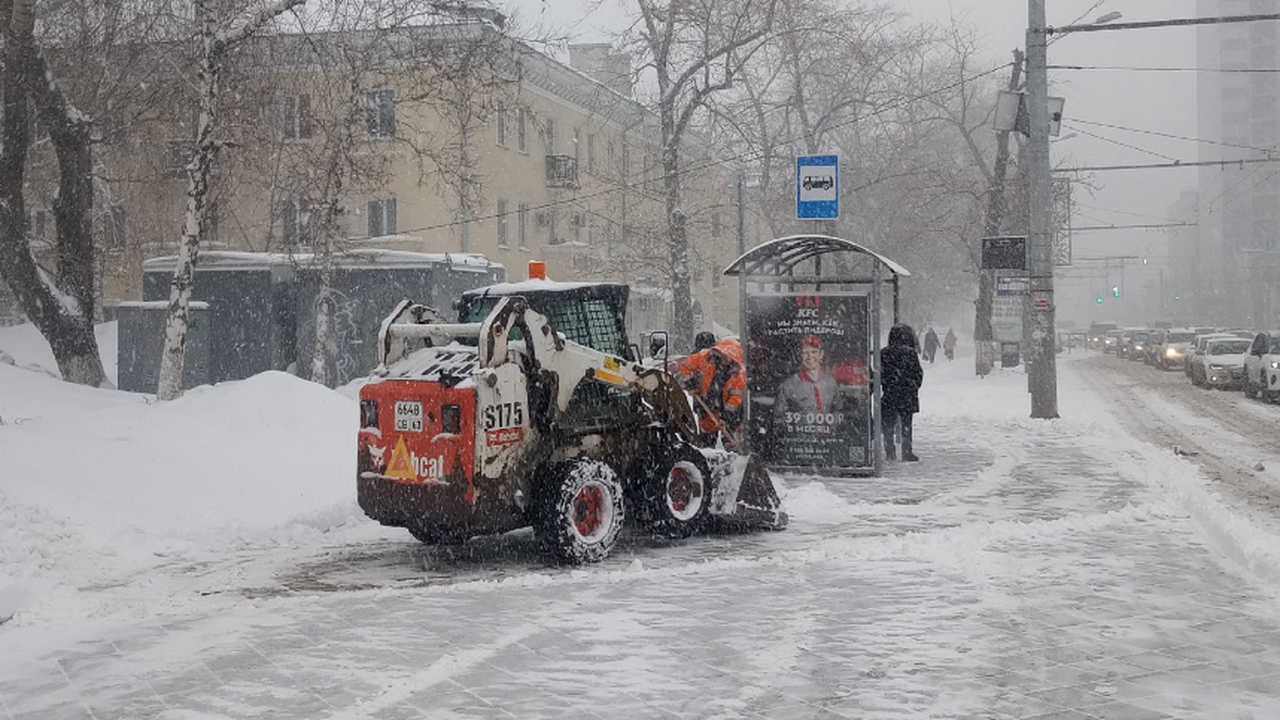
{"type": "Point", "coordinates": [930, 345]}
{"type": "Point", "coordinates": [901, 377]}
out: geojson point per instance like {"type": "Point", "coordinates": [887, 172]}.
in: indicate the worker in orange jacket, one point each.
{"type": "Point", "coordinates": [715, 374]}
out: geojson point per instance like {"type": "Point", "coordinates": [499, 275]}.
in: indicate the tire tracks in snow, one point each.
{"type": "Point", "coordinates": [1207, 423]}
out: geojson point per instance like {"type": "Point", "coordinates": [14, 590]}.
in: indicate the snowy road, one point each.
{"type": "Point", "coordinates": [1024, 569]}
{"type": "Point", "coordinates": [1235, 440]}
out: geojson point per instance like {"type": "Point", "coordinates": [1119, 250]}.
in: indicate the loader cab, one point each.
{"type": "Point", "coordinates": [591, 314]}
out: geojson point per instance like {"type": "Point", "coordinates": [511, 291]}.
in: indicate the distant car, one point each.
{"type": "Point", "coordinates": [1173, 352]}
{"type": "Point", "coordinates": [1111, 340]}
{"type": "Point", "coordinates": [1131, 339]}
{"type": "Point", "coordinates": [1196, 350]}
{"type": "Point", "coordinates": [1097, 332]}
{"type": "Point", "coordinates": [1221, 364]}
{"type": "Point", "coordinates": [1262, 366]}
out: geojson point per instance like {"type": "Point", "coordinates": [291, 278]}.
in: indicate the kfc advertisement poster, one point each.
{"type": "Point", "coordinates": [808, 376]}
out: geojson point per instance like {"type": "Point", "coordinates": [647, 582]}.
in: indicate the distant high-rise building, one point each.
{"type": "Point", "coordinates": [1239, 205]}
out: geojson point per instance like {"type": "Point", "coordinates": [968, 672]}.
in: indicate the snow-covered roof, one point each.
{"type": "Point", "coordinates": [360, 258]}
{"type": "Point", "coordinates": [536, 285]}
{"type": "Point", "coordinates": [786, 252]}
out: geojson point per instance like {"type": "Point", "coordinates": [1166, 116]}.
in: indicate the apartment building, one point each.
{"type": "Point", "coordinates": [521, 157]}
{"type": "Point", "coordinates": [1238, 209]}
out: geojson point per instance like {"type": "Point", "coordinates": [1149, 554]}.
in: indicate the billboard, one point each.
{"type": "Point", "coordinates": [807, 358]}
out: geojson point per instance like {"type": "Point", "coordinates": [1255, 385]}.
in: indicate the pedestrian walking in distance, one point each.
{"type": "Point", "coordinates": [899, 390]}
{"type": "Point", "coordinates": [949, 344]}
{"type": "Point", "coordinates": [930, 345]}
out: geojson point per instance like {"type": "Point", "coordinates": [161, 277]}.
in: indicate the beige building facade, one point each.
{"type": "Point", "coordinates": [536, 161]}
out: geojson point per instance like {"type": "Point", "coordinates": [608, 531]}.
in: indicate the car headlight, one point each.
{"type": "Point", "coordinates": [1275, 365]}
{"type": "Point", "coordinates": [1137, 347]}
{"type": "Point", "coordinates": [1172, 352]}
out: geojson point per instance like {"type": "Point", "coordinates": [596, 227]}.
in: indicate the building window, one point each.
{"type": "Point", "coordinates": [591, 152]}
{"type": "Point", "coordinates": [295, 223]}
{"type": "Point", "coordinates": [380, 112]}
{"type": "Point", "coordinates": [611, 159]}
{"type": "Point", "coordinates": [381, 217]}
{"type": "Point", "coordinates": [178, 155]}
{"type": "Point", "coordinates": [209, 229]}
{"type": "Point", "coordinates": [626, 162]}
{"type": "Point", "coordinates": [115, 227]}
{"type": "Point", "coordinates": [504, 238]}
{"type": "Point", "coordinates": [522, 223]}
{"type": "Point", "coordinates": [552, 235]}
{"type": "Point", "coordinates": [522, 130]}
{"type": "Point", "coordinates": [577, 147]}
{"type": "Point", "coordinates": [502, 125]}
{"type": "Point", "coordinates": [549, 136]}
{"type": "Point", "coordinates": [296, 117]}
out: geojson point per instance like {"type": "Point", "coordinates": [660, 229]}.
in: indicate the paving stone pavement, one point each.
{"type": "Point", "coordinates": [1011, 574]}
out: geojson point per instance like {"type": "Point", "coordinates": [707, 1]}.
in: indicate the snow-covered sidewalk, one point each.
{"type": "Point", "coordinates": [1022, 569]}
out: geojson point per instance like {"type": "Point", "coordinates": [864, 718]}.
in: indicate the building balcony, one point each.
{"type": "Point", "coordinates": [562, 172]}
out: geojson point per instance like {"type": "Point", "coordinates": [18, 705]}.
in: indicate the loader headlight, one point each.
{"type": "Point", "coordinates": [1275, 365]}
{"type": "Point", "coordinates": [1171, 352]}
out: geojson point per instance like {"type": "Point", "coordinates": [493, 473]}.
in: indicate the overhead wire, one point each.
{"type": "Point", "coordinates": [1119, 143]}
{"type": "Point", "coordinates": [1124, 68]}
{"type": "Point", "coordinates": [1172, 136]}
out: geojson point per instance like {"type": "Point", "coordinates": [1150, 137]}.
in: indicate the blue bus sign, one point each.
{"type": "Point", "coordinates": [817, 187]}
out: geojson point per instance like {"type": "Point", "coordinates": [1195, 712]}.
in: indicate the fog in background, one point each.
{"type": "Point", "coordinates": [1162, 102]}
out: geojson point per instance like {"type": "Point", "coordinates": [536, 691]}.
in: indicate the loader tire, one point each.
{"type": "Point", "coordinates": [676, 493]}
{"type": "Point", "coordinates": [580, 510]}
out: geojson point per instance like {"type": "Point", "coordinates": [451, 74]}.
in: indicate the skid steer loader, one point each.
{"type": "Point", "coordinates": [532, 410]}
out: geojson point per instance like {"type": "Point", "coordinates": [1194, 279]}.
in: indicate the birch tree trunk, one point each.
{"type": "Point", "coordinates": [173, 359]}
{"type": "Point", "coordinates": [213, 46]}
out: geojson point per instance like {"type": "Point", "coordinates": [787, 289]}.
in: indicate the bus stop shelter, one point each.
{"type": "Point", "coordinates": [810, 308]}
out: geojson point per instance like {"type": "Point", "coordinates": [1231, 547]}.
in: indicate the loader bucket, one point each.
{"type": "Point", "coordinates": [742, 492]}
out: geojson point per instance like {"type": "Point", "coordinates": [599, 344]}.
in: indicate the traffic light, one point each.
{"type": "Point", "coordinates": [1177, 297]}
{"type": "Point", "coordinates": [1115, 291]}
{"type": "Point", "coordinates": [1098, 300]}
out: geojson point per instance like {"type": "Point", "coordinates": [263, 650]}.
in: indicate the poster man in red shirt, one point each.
{"type": "Point", "coordinates": [812, 389]}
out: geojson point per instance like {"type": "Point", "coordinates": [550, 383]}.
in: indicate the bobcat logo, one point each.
{"type": "Point", "coordinates": [378, 454]}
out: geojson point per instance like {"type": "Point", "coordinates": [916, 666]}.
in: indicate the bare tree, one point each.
{"type": "Point", "coordinates": [62, 307]}
{"type": "Point", "coordinates": [217, 37]}
{"type": "Point", "coordinates": [694, 48]}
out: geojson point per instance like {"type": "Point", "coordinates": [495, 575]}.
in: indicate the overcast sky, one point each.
{"type": "Point", "coordinates": [1162, 102]}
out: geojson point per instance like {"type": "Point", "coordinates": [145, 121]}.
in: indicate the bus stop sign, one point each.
{"type": "Point", "coordinates": [817, 187]}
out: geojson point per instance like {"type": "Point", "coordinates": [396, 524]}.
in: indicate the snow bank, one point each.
{"type": "Point", "coordinates": [99, 484]}
{"type": "Point", "coordinates": [29, 349]}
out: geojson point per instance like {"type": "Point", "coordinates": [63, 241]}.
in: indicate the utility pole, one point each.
{"type": "Point", "coordinates": [1043, 370]}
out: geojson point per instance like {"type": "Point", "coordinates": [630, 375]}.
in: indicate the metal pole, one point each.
{"type": "Point", "coordinates": [1044, 372]}
{"type": "Point", "coordinates": [742, 249]}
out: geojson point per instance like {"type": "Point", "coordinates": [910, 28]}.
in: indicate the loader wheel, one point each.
{"type": "Point", "coordinates": [677, 494]}
{"type": "Point", "coordinates": [581, 511]}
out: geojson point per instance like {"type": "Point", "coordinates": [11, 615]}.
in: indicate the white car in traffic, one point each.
{"type": "Point", "coordinates": [1262, 366]}
{"type": "Point", "coordinates": [1221, 364]}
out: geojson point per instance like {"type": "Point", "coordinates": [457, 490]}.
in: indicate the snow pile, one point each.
{"type": "Point", "coordinates": [98, 485]}
{"type": "Point", "coordinates": [28, 349]}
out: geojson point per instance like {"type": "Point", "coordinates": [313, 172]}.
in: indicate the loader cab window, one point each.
{"type": "Point", "coordinates": [592, 322]}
